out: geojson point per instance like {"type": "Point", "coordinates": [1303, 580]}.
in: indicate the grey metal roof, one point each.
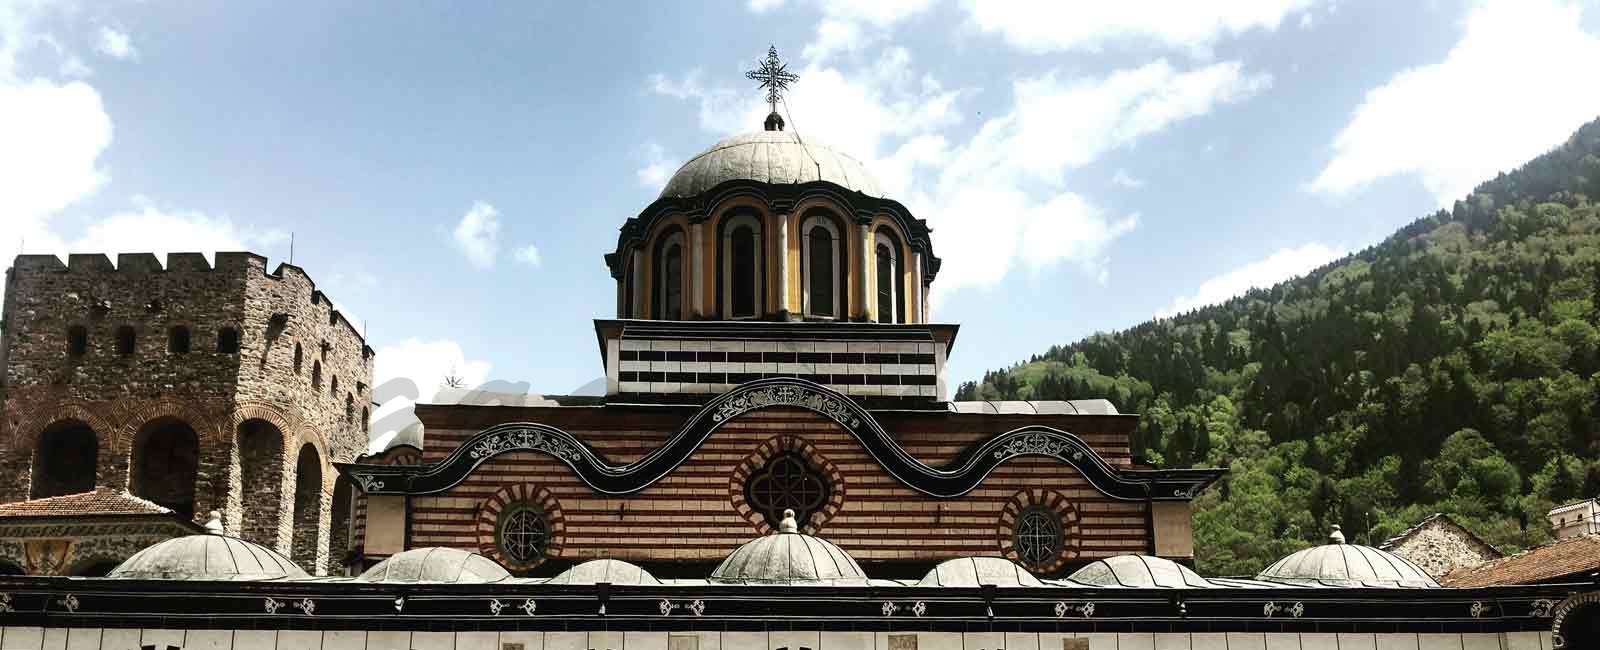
{"type": "Point", "coordinates": [975, 571]}
{"type": "Point", "coordinates": [1037, 407]}
{"type": "Point", "coordinates": [777, 157]}
{"type": "Point", "coordinates": [789, 559]}
{"type": "Point", "coordinates": [614, 572]}
{"type": "Point", "coordinates": [1138, 571]}
{"type": "Point", "coordinates": [207, 557]}
{"type": "Point", "coordinates": [436, 564]}
{"type": "Point", "coordinates": [412, 435]}
{"type": "Point", "coordinates": [1346, 565]}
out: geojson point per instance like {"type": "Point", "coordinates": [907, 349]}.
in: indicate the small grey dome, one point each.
{"type": "Point", "coordinates": [614, 572]}
{"type": "Point", "coordinates": [777, 157]}
{"type": "Point", "coordinates": [1346, 565]}
{"type": "Point", "coordinates": [207, 557]}
{"type": "Point", "coordinates": [975, 571]}
{"type": "Point", "coordinates": [411, 436]}
{"type": "Point", "coordinates": [1138, 571]}
{"type": "Point", "coordinates": [436, 564]}
{"type": "Point", "coordinates": [788, 558]}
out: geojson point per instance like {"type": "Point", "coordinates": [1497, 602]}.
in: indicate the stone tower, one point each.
{"type": "Point", "coordinates": [194, 387]}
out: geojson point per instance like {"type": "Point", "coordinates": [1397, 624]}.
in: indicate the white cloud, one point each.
{"type": "Point", "coordinates": [1506, 92]}
{"type": "Point", "coordinates": [1282, 265]}
{"type": "Point", "coordinates": [54, 136]}
{"type": "Point", "coordinates": [1053, 26]}
{"type": "Point", "coordinates": [763, 6]}
{"type": "Point", "coordinates": [849, 25]}
{"type": "Point", "coordinates": [425, 364]}
{"type": "Point", "coordinates": [528, 255]}
{"type": "Point", "coordinates": [1123, 179]}
{"type": "Point", "coordinates": [116, 44]}
{"type": "Point", "coordinates": [657, 169]}
{"type": "Point", "coordinates": [478, 234]}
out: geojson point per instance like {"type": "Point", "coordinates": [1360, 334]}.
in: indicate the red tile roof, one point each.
{"type": "Point", "coordinates": [1539, 564]}
{"type": "Point", "coordinates": [99, 502]}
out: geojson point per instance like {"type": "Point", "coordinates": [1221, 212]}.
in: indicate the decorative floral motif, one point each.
{"type": "Point", "coordinates": [528, 606]}
{"type": "Point", "coordinates": [1542, 608]}
{"type": "Point", "coordinates": [1478, 608]}
{"type": "Point", "coordinates": [787, 396]}
{"type": "Point", "coordinates": [308, 606]}
{"type": "Point", "coordinates": [5, 604]}
{"type": "Point", "coordinates": [495, 606]}
{"type": "Point", "coordinates": [1298, 610]}
{"type": "Point", "coordinates": [369, 483]}
{"type": "Point", "coordinates": [1039, 443]}
{"type": "Point", "coordinates": [889, 608]}
{"type": "Point", "coordinates": [698, 607]}
{"type": "Point", "coordinates": [272, 605]}
{"type": "Point", "coordinates": [71, 603]}
{"type": "Point", "coordinates": [1270, 608]}
{"type": "Point", "coordinates": [667, 606]}
{"type": "Point", "coordinates": [399, 603]}
{"type": "Point", "coordinates": [1086, 609]}
{"type": "Point", "coordinates": [1061, 609]}
{"type": "Point", "coordinates": [525, 438]}
{"type": "Point", "coordinates": [920, 608]}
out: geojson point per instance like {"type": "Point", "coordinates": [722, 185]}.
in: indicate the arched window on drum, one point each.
{"type": "Point", "coordinates": [891, 304]}
{"type": "Point", "coordinates": [669, 256]}
{"type": "Point", "coordinates": [741, 260]}
{"type": "Point", "coordinates": [820, 266]}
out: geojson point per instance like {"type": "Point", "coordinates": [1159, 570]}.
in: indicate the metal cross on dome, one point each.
{"type": "Point", "coordinates": [774, 76]}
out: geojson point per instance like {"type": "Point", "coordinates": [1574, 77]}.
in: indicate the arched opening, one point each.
{"type": "Point", "coordinates": [228, 340]}
{"type": "Point", "coordinates": [260, 463]}
{"type": "Point", "coordinates": [94, 568]}
{"type": "Point", "coordinates": [126, 340]}
{"type": "Point", "coordinates": [307, 508]}
{"type": "Point", "coordinates": [820, 273]}
{"type": "Point", "coordinates": [366, 420]}
{"type": "Point", "coordinates": [333, 386]}
{"type": "Point", "coordinates": [668, 302]}
{"type": "Point", "coordinates": [9, 568]}
{"type": "Point", "coordinates": [77, 341]}
{"type": "Point", "coordinates": [178, 340]}
{"type": "Point", "coordinates": [166, 461]}
{"type": "Point", "coordinates": [1579, 625]}
{"type": "Point", "coordinates": [742, 283]}
{"type": "Point", "coordinates": [64, 460]}
{"type": "Point", "coordinates": [340, 535]}
{"type": "Point", "coordinates": [891, 307]}
{"type": "Point", "coordinates": [349, 409]}
{"type": "Point", "coordinates": [316, 375]}
{"type": "Point", "coordinates": [299, 359]}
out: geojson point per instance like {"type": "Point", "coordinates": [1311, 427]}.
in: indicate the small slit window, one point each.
{"type": "Point", "coordinates": [77, 341]}
{"type": "Point", "coordinates": [299, 358]}
{"type": "Point", "coordinates": [316, 374]}
{"type": "Point", "coordinates": [127, 339]}
{"type": "Point", "coordinates": [228, 340]}
{"type": "Point", "coordinates": [178, 340]}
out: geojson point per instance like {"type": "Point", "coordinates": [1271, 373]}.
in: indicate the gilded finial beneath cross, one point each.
{"type": "Point", "coordinates": [774, 76]}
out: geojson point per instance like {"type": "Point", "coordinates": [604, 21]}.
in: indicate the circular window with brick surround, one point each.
{"type": "Point", "coordinates": [522, 533]}
{"type": "Point", "coordinates": [786, 473]}
{"type": "Point", "coordinates": [1038, 529]}
{"type": "Point", "coordinates": [1037, 535]}
{"type": "Point", "coordinates": [520, 526]}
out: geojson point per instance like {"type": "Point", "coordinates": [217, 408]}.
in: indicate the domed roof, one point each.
{"type": "Point", "coordinates": [207, 557]}
{"type": "Point", "coordinates": [975, 571]}
{"type": "Point", "coordinates": [1337, 564]}
{"type": "Point", "coordinates": [789, 558]}
{"type": "Point", "coordinates": [614, 572]}
{"type": "Point", "coordinates": [778, 157]}
{"type": "Point", "coordinates": [412, 436]}
{"type": "Point", "coordinates": [1138, 571]}
{"type": "Point", "coordinates": [436, 564]}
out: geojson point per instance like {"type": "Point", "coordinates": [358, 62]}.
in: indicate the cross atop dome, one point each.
{"type": "Point", "coordinates": [775, 77]}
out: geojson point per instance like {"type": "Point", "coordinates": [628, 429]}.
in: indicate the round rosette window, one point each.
{"type": "Point", "coordinates": [1038, 529]}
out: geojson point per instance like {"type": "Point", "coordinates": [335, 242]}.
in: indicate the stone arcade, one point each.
{"type": "Point", "coordinates": [775, 465]}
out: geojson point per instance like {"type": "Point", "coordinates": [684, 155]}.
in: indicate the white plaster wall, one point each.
{"type": "Point", "coordinates": [34, 638]}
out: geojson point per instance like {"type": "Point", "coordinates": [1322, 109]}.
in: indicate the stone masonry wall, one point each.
{"type": "Point", "coordinates": [1439, 548]}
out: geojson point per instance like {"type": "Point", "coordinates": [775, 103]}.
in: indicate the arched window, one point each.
{"type": "Point", "coordinates": [891, 309]}
{"type": "Point", "coordinates": [299, 358]}
{"type": "Point", "coordinates": [742, 283]}
{"type": "Point", "coordinates": [366, 420]}
{"type": "Point", "coordinates": [178, 340]}
{"type": "Point", "coordinates": [126, 340]}
{"type": "Point", "coordinates": [64, 460]}
{"type": "Point", "coordinates": [820, 266]}
{"type": "Point", "coordinates": [77, 341]}
{"type": "Point", "coordinates": [668, 293]}
{"type": "Point", "coordinates": [228, 340]}
{"type": "Point", "coordinates": [307, 508]}
{"type": "Point", "coordinates": [333, 387]}
{"type": "Point", "coordinates": [349, 408]}
{"type": "Point", "coordinates": [165, 464]}
{"type": "Point", "coordinates": [316, 375]}
{"type": "Point", "coordinates": [258, 447]}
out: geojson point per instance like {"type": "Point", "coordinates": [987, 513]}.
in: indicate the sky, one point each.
{"type": "Point", "coordinates": [451, 174]}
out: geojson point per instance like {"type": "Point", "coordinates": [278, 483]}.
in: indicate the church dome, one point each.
{"type": "Point", "coordinates": [1337, 564]}
{"type": "Point", "coordinates": [1138, 571]}
{"type": "Point", "coordinates": [788, 557]}
{"type": "Point", "coordinates": [614, 572]}
{"type": "Point", "coordinates": [207, 557]}
{"type": "Point", "coordinates": [436, 564]}
{"type": "Point", "coordinates": [776, 157]}
{"type": "Point", "coordinates": [976, 571]}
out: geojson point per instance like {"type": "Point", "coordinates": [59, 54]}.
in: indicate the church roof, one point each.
{"type": "Point", "coordinates": [616, 572]}
{"type": "Point", "coordinates": [977, 571]}
{"type": "Point", "coordinates": [98, 502]}
{"type": "Point", "coordinates": [776, 157]}
{"type": "Point", "coordinates": [1545, 563]}
{"type": "Point", "coordinates": [788, 557]}
{"type": "Point", "coordinates": [207, 557]}
{"type": "Point", "coordinates": [436, 564]}
{"type": "Point", "coordinates": [1346, 565]}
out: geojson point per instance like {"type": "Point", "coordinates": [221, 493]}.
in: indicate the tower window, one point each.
{"type": "Point", "coordinates": [820, 238]}
{"type": "Point", "coordinates": [669, 278]}
{"type": "Point", "coordinates": [316, 375]}
{"type": "Point", "coordinates": [299, 358]}
{"type": "Point", "coordinates": [178, 340]}
{"type": "Point", "coordinates": [741, 260]}
{"type": "Point", "coordinates": [228, 340]}
{"type": "Point", "coordinates": [333, 386]}
{"type": "Point", "coordinates": [77, 341]}
{"type": "Point", "coordinates": [891, 307]}
{"type": "Point", "coordinates": [126, 340]}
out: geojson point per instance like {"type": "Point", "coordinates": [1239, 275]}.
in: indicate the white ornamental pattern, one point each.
{"type": "Point", "coordinates": [1034, 444]}
{"type": "Point", "coordinates": [787, 396]}
{"type": "Point", "coordinates": [524, 439]}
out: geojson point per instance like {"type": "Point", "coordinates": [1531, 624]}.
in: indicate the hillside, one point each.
{"type": "Point", "coordinates": [1452, 367]}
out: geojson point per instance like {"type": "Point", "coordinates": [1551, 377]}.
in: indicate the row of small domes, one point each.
{"type": "Point", "coordinates": [787, 558]}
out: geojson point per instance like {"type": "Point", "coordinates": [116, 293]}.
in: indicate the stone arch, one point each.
{"type": "Point", "coordinates": [307, 547]}
{"type": "Point", "coordinates": [166, 464]}
{"type": "Point", "coordinates": [66, 459]}
{"type": "Point", "coordinates": [341, 528]}
{"type": "Point", "coordinates": [257, 499]}
{"type": "Point", "coordinates": [765, 453]}
{"type": "Point", "coordinates": [27, 432]}
{"type": "Point", "coordinates": [1576, 621]}
{"type": "Point", "coordinates": [138, 413]}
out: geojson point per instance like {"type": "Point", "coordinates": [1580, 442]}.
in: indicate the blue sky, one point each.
{"type": "Point", "coordinates": [451, 175]}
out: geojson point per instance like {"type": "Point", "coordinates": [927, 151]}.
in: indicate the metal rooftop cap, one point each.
{"type": "Point", "coordinates": [1346, 565]}
{"type": "Point", "coordinates": [436, 564]}
{"type": "Point", "coordinates": [788, 557]}
{"type": "Point", "coordinates": [207, 557]}
{"type": "Point", "coordinates": [776, 157]}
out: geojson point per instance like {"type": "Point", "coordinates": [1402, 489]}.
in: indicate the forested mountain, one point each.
{"type": "Point", "coordinates": [1452, 367]}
